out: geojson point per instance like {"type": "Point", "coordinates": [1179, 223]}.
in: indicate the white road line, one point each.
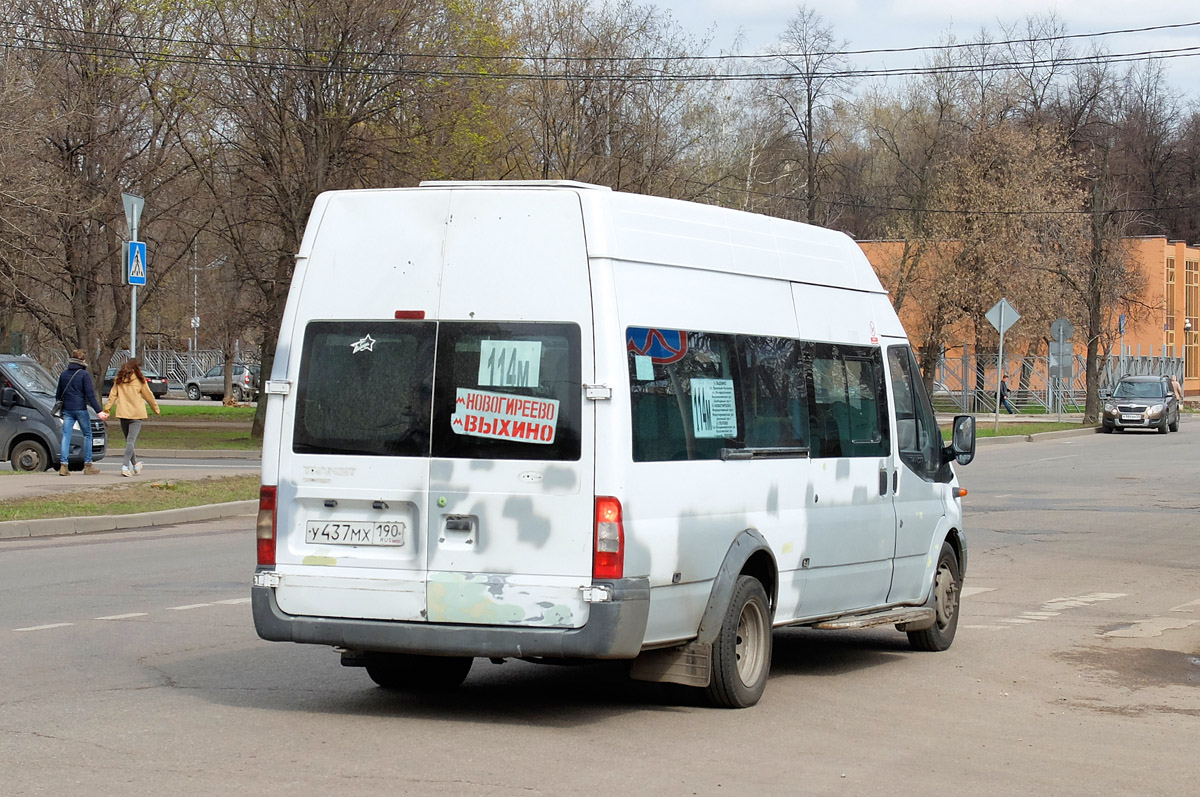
{"type": "Point", "coordinates": [122, 616]}
{"type": "Point", "coordinates": [232, 601]}
{"type": "Point", "coordinates": [44, 627]}
{"type": "Point", "coordinates": [1051, 459]}
{"type": "Point", "coordinates": [987, 627]}
{"type": "Point", "coordinates": [1017, 620]}
{"type": "Point", "coordinates": [1040, 615]}
{"type": "Point", "coordinates": [189, 606]}
{"type": "Point", "coordinates": [969, 591]}
{"type": "Point", "coordinates": [1152, 627]}
{"type": "Point", "coordinates": [1186, 607]}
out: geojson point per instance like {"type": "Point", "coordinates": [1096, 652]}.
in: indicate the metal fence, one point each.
{"type": "Point", "coordinates": [969, 382]}
{"type": "Point", "coordinates": [177, 366]}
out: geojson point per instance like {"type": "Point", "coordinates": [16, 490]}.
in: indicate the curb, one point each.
{"type": "Point", "coordinates": [51, 527]}
{"type": "Point", "coordinates": [1034, 438]}
{"type": "Point", "coordinates": [192, 453]}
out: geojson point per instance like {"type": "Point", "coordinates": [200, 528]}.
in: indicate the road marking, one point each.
{"type": "Point", "coordinates": [233, 601]}
{"type": "Point", "coordinates": [1051, 459]}
{"type": "Point", "coordinates": [1049, 607]}
{"type": "Point", "coordinates": [969, 591]}
{"type": "Point", "coordinates": [44, 627]}
{"type": "Point", "coordinates": [987, 627]}
{"type": "Point", "coordinates": [1040, 615]}
{"type": "Point", "coordinates": [189, 606]}
{"type": "Point", "coordinates": [1018, 620]}
{"type": "Point", "coordinates": [1186, 607]}
{"type": "Point", "coordinates": [122, 616]}
{"type": "Point", "coordinates": [1152, 627]}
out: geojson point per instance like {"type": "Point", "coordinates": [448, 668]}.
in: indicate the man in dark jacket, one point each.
{"type": "Point", "coordinates": [77, 393]}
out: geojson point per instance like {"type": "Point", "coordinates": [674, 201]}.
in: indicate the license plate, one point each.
{"type": "Point", "coordinates": [340, 532]}
{"type": "Point", "coordinates": [1137, 418]}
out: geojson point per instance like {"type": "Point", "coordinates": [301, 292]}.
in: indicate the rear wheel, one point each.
{"type": "Point", "coordinates": [947, 583]}
{"type": "Point", "coordinates": [741, 656]}
{"type": "Point", "coordinates": [30, 456]}
{"type": "Point", "coordinates": [193, 392]}
{"type": "Point", "coordinates": [410, 672]}
{"type": "Point", "coordinates": [238, 396]}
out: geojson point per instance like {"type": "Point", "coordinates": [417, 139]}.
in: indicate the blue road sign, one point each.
{"type": "Point", "coordinates": [137, 263]}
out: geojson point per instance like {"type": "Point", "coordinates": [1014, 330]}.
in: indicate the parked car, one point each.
{"type": "Point", "coordinates": [212, 384]}
{"type": "Point", "coordinates": [1142, 402]}
{"type": "Point", "coordinates": [158, 382]}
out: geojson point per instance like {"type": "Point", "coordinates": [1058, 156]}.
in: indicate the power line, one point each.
{"type": "Point", "coordinates": [565, 59]}
{"type": "Point", "coordinates": [936, 211]}
{"type": "Point", "coordinates": [536, 76]}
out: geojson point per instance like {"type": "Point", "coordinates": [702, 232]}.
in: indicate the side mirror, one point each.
{"type": "Point", "coordinates": [8, 398]}
{"type": "Point", "coordinates": [962, 440]}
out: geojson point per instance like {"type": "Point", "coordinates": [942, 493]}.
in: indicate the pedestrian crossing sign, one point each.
{"type": "Point", "coordinates": [137, 263]}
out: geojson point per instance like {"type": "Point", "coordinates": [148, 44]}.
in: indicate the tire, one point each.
{"type": "Point", "coordinates": [412, 673]}
{"type": "Point", "coordinates": [741, 656]}
{"type": "Point", "coordinates": [238, 396]}
{"type": "Point", "coordinates": [1107, 429]}
{"type": "Point", "coordinates": [947, 585]}
{"type": "Point", "coordinates": [30, 456]}
{"type": "Point", "coordinates": [193, 392]}
{"type": "Point", "coordinates": [1164, 428]}
{"type": "Point", "coordinates": [1175, 424]}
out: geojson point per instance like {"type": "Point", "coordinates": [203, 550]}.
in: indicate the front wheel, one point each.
{"type": "Point", "coordinates": [947, 584]}
{"type": "Point", "coordinates": [411, 672]}
{"type": "Point", "coordinates": [741, 656]}
{"type": "Point", "coordinates": [30, 456]}
{"type": "Point", "coordinates": [1175, 424]}
{"type": "Point", "coordinates": [238, 396]}
{"type": "Point", "coordinates": [1164, 428]}
{"type": "Point", "coordinates": [193, 392]}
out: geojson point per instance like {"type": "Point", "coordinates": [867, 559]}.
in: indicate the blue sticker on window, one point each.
{"type": "Point", "coordinates": [662, 346]}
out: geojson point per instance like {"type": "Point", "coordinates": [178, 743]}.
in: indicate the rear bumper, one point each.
{"type": "Point", "coordinates": [614, 630]}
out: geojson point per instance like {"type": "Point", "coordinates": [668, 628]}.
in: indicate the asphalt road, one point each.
{"type": "Point", "coordinates": [129, 665]}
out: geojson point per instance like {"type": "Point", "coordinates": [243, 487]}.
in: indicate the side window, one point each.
{"type": "Point", "coordinates": [848, 405]}
{"type": "Point", "coordinates": [773, 390]}
{"type": "Point", "coordinates": [683, 394]}
{"type": "Point", "coordinates": [917, 435]}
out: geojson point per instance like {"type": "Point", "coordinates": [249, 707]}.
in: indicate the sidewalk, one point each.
{"type": "Point", "coordinates": [160, 466]}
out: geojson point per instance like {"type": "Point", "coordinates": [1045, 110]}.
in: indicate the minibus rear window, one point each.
{"type": "Point", "coordinates": [508, 390]}
{"type": "Point", "coordinates": [364, 388]}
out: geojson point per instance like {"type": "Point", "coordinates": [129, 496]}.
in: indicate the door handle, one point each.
{"type": "Point", "coordinates": [883, 482]}
{"type": "Point", "coordinates": [896, 480]}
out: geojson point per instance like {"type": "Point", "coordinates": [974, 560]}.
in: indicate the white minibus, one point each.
{"type": "Point", "coordinates": [550, 421]}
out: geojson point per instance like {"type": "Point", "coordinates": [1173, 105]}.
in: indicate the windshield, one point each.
{"type": "Point", "coordinates": [503, 390]}
{"type": "Point", "coordinates": [1148, 390]}
{"type": "Point", "coordinates": [32, 377]}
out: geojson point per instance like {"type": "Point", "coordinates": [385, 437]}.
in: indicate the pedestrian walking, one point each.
{"type": "Point", "coordinates": [77, 392]}
{"type": "Point", "coordinates": [129, 394]}
{"type": "Point", "coordinates": [1004, 395]}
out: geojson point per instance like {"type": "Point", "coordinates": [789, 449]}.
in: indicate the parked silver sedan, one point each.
{"type": "Point", "coordinates": [212, 384]}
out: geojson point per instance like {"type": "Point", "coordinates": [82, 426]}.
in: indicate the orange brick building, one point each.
{"type": "Point", "coordinates": [1170, 327]}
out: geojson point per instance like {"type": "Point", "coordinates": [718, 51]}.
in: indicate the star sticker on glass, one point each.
{"type": "Point", "coordinates": [366, 344]}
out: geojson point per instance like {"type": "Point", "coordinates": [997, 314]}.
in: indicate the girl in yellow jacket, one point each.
{"type": "Point", "coordinates": [129, 393]}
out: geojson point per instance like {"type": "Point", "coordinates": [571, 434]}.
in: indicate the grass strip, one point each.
{"type": "Point", "coordinates": [127, 499]}
{"type": "Point", "coordinates": [186, 437]}
{"type": "Point", "coordinates": [212, 411]}
{"type": "Point", "coordinates": [983, 428]}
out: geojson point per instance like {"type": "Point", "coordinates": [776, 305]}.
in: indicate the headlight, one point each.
{"type": "Point", "coordinates": [1155, 410]}
{"type": "Point", "coordinates": [1110, 409]}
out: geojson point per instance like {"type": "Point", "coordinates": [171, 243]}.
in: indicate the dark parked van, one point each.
{"type": "Point", "coordinates": [30, 437]}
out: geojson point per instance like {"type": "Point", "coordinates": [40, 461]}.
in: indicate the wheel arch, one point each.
{"type": "Point", "coordinates": [36, 437]}
{"type": "Point", "coordinates": [749, 554]}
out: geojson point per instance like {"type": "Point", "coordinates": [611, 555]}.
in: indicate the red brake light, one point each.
{"type": "Point", "coordinates": [412, 315]}
{"type": "Point", "coordinates": [608, 557]}
{"type": "Point", "coordinates": [265, 527]}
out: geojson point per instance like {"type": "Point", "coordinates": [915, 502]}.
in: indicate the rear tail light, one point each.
{"type": "Point", "coordinates": [265, 527]}
{"type": "Point", "coordinates": [608, 558]}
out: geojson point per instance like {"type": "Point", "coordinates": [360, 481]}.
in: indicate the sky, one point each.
{"type": "Point", "coordinates": [870, 24]}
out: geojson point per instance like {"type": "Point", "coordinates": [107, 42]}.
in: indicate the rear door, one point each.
{"type": "Point", "coordinates": [509, 523]}
{"type": "Point", "coordinates": [353, 473]}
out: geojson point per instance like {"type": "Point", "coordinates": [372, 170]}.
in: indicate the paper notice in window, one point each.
{"type": "Point", "coordinates": [478, 413]}
{"type": "Point", "coordinates": [643, 367]}
{"type": "Point", "coordinates": [714, 413]}
{"type": "Point", "coordinates": [510, 363]}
